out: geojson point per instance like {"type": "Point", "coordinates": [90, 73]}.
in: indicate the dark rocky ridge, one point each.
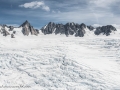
{"type": "Point", "coordinates": [67, 29]}
{"type": "Point", "coordinates": [105, 30]}
{"type": "Point", "coordinates": [77, 30]}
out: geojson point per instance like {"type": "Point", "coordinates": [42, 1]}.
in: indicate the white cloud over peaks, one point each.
{"type": "Point", "coordinates": [36, 4]}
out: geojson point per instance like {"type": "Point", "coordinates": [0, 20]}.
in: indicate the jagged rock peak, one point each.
{"type": "Point", "coordinates": [69, 28]}
{"type": "Point", "coordinates": [79, 30]}
{"type": "Point", "coordinates": [28, 29]}
{"type": "Point", "coordinates": [50, 23]}
{"type": "Point", "coordinates": [25, 23]}
{"type": "Point", "coordinates": [105, 30]}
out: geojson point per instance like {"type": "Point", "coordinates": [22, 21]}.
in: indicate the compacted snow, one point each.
{"type": "Point", "coordinates": [49, 62]}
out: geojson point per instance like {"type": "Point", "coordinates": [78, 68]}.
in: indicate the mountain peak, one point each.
{"type": "Point", "coordinates": [27, 29]}
{"type": "Point", "coordinates": [25, 23]}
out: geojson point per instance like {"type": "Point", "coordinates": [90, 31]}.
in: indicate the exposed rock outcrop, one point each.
{"type": "Point", "coordinates": [28, 29]}
{"type": "Point", "coordinates": [90, 28]}
{"type": "Point", "coordinates": [4, 31]}
{"type": "Point", "coordinates": [12, 36]}
{"type": "Point", "coordinates": [60, 29]}
{"type": "Point", "coordinates": [70, 29]}
{"type": "Point", "coordinates": [105, 30]}
{"type": "Point", "coordinates": [78, 30]}
{"type": "Point", "coordinates": [11, 28]}
{"type": "Point", "coordinates": [81, 30]}
{"type": "Point", "coordinates": [67, 29]}
{"type": "Point", "coordinates": [49, 29]}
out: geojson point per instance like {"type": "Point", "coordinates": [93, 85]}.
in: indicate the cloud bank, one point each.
{"type": "Point", "coordinates": [35, 5]}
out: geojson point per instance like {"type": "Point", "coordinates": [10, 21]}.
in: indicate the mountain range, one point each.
{"type": "Point", "coordinates": [78, 30]}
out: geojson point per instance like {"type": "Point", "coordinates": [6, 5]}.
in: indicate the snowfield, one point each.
{"type": "Point", "coordinates": [56, 62]}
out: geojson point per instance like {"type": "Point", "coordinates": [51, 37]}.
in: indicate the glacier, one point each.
{"type": "Point", "coordinates": [57, 62]}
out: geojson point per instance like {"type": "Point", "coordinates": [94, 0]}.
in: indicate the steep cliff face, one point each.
{"type": "Point", "coordinates": [28, 29]}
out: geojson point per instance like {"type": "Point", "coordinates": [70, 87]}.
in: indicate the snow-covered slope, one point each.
{"type": "Point", "coordinates": [60, 63]}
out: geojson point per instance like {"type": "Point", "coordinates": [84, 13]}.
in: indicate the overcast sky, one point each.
{"type": "Point", "coordinates": [40, 12]}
